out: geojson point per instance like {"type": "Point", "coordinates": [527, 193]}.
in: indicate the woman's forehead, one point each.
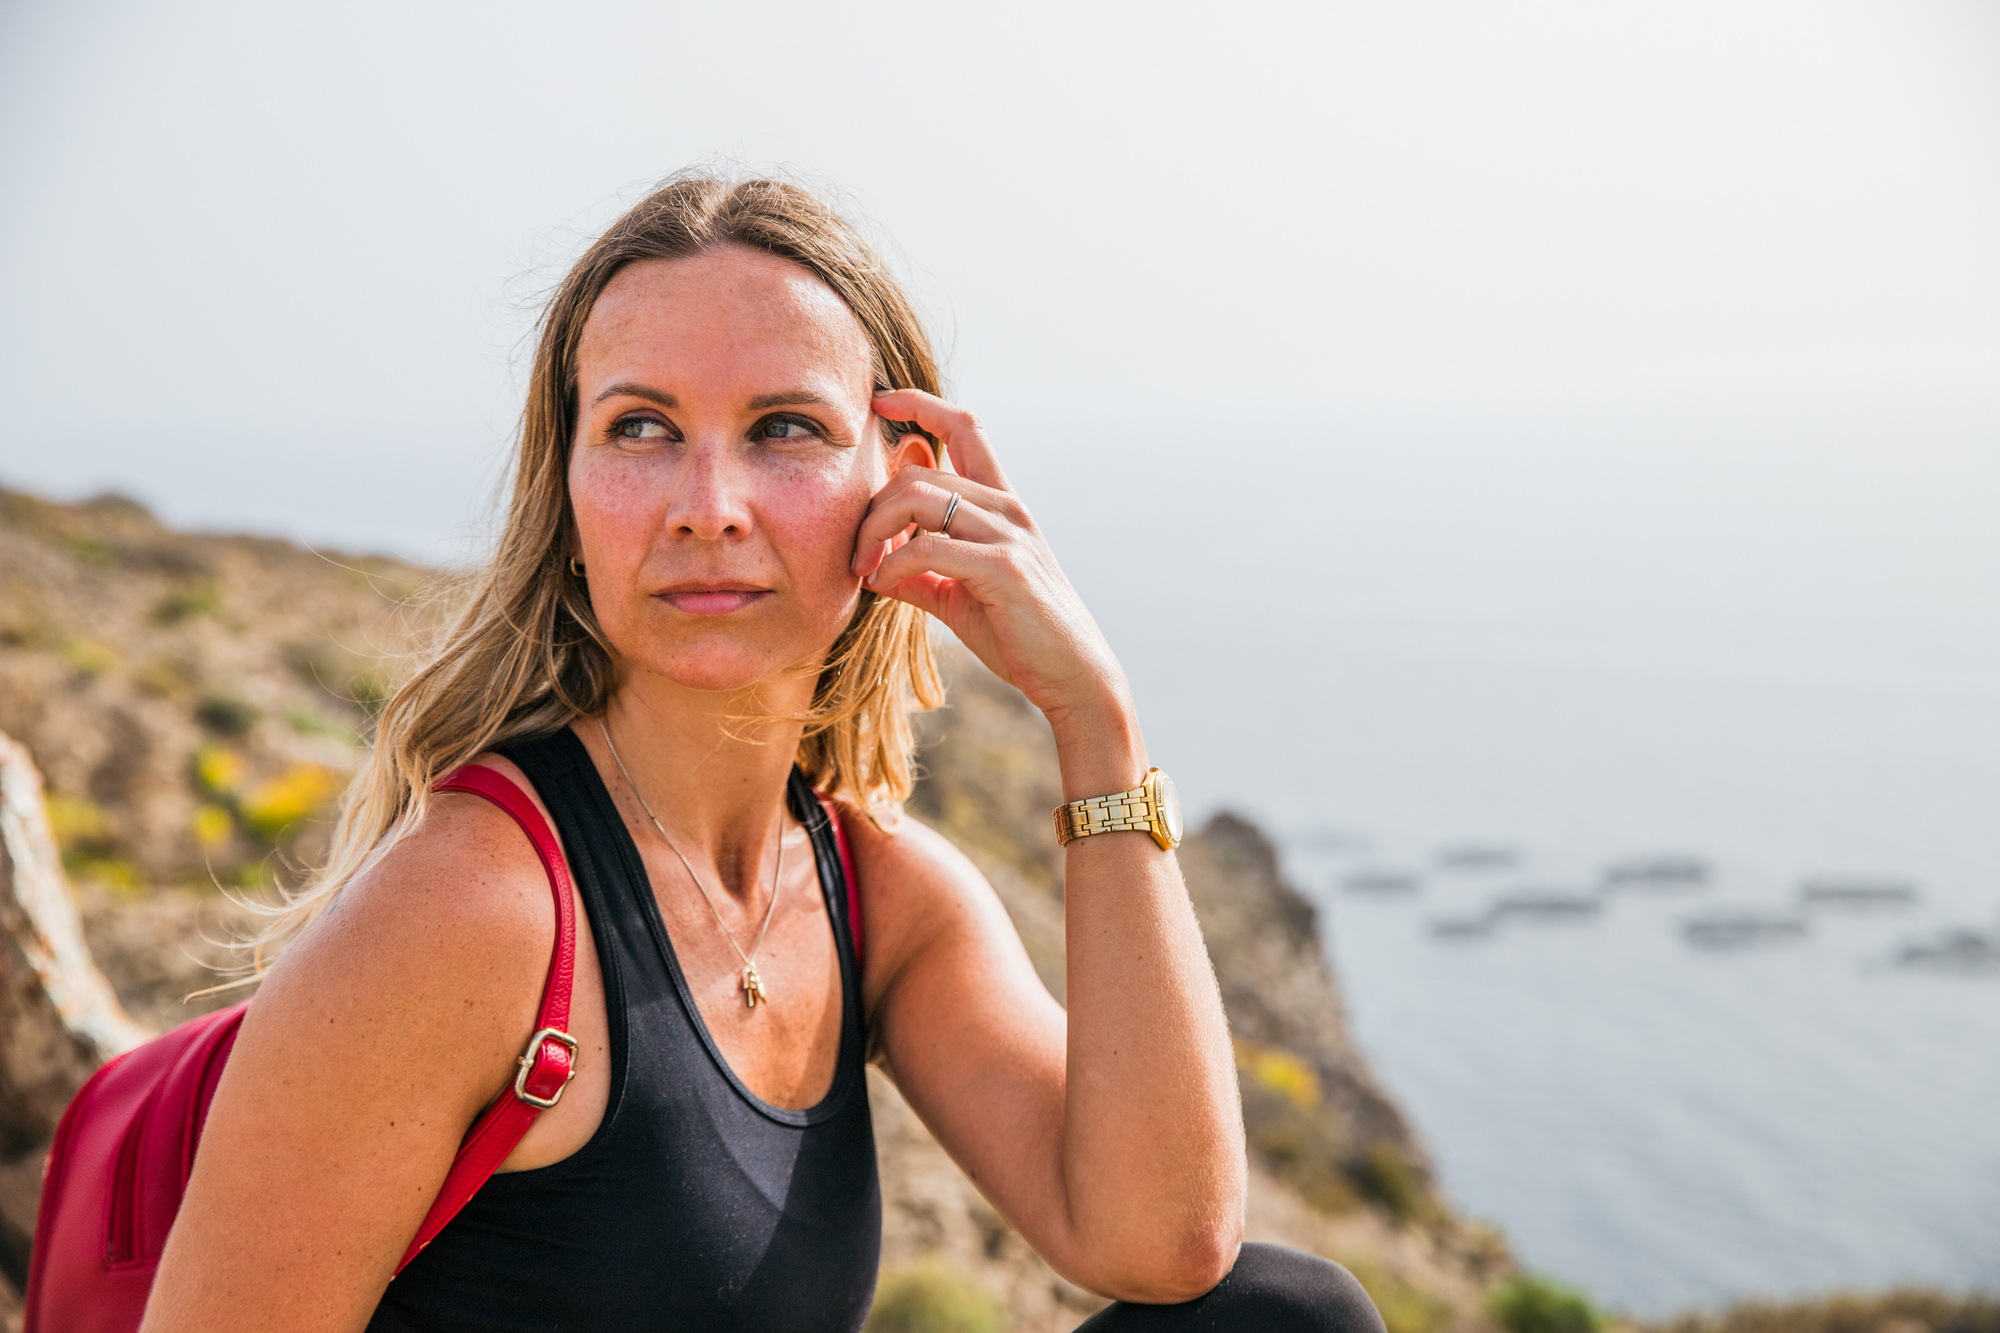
{"type": "Point", "coordinates": [728, 307]}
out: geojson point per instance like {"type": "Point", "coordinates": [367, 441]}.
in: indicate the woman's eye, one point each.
{"type": "Point", "coordinates": [640, 428]}
{"type": "Point", "coordinates": [786, 428]}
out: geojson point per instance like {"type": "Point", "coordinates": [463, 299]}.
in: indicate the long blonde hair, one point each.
{"type": "Point", "coordinates": [523, 654]}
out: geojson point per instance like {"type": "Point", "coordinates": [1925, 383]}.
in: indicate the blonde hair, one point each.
{"type": "Point", "coordinates": [523, 654]}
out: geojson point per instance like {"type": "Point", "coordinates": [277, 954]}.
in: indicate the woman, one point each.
{"type": "Point", "coordinates": [707, 605]}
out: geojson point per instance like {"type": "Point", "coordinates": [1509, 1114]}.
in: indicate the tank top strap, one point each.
{"type": "Point", "coordinates": [833, 859]}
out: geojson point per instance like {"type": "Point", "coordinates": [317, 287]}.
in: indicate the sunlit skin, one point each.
{"type": "Point", "coordinates": [732, 492]}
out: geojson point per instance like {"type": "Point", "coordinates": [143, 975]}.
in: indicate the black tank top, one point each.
{"type": "Point", "coordinates": [696, 1204]}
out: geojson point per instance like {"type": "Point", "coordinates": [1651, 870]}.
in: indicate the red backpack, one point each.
{"type": "Point", "coordinates": [123, 1152]}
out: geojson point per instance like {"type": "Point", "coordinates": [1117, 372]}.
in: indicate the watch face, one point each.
{"type": "Point", "coordinates": [1170, 806]}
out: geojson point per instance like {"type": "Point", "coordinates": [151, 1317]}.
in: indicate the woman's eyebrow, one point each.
{"type": "Point", "coordinates": [791, 398]}
{"type": "Point", "coordinates": [637, 391]}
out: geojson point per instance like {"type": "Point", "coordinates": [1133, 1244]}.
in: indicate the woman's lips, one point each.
{"type": "Point", "coordinates": [712, 601]}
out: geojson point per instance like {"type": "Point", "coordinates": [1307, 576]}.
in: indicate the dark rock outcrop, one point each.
{"type": "Point", "coordinates": [1315, 1112]}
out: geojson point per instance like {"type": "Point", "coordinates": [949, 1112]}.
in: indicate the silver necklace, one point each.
{"type": "Point", "coordinates": [751, 984]}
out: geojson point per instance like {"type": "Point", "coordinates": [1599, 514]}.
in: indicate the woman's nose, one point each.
{"type": "Point", "coordinates": [711, 495]}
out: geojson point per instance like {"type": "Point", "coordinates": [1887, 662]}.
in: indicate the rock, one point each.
{"type": "Point", "coordinates": [1477, 856]}
{"type": "Point", "coordinates": [1848, 891]}
{"type": "Point", "coordinates": [1742, 930]}
{"type": "Point", "coordinates": [1957, 950]}
{"type": "Point", "coordinates": [1380, 882]}
{"type": "Point", "coordinates": [1662, 873]}
{"type": "Point", "coordinates": [59, 1019]}
{"type": "Point", "coordinates": [1546, 905]}
{"type": "Point", "coordinates": [1338, 1135]}
{"type": "Point", "coordinates": [1462, 928]}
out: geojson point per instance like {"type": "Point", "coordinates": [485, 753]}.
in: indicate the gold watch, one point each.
{"type": "Point", "coordinates": [1151, 807]}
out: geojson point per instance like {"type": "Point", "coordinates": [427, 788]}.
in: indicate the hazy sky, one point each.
{"type": "Point", "coordinates": [1522, 308]}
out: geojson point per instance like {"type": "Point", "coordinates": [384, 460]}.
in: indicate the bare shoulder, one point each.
{"type": "Point", "coordinates": [446, 937]}
{"type": "Point", "coordinates": [904, 863]}
{"type": "Point", "coordinates": [467, 878]}
{"type": "Point", "coordinates": [923, 903]}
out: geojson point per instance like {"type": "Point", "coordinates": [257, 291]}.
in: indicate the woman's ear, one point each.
{"type": "Point", "coordinates": [912, 448]}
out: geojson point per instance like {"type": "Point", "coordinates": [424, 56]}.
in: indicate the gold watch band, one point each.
{"type": "Point", "coordinates": [1125, 812]}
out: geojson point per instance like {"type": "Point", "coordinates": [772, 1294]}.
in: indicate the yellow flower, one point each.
{"type": "Point", "coordinates": [219, 768]}
{"type": "Point", "coordinates": [1281, 1072]}
{"type": "Point", "coordinates": [284, 800]}
{"type": "Point", "coordinates": [76, 822]}
{"type": "Point", "coordinates": [212, 825]}
{"type": "Point", "coordinates": [89, 656]}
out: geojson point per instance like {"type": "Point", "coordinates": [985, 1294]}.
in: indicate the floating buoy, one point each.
{"type": "Point", "coordinates": [1742, 930]}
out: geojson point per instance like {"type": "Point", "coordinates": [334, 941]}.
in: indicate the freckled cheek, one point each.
{"type": "Point", "coordinates": [614, 513]}
{"type": "Point", "coordinates": [815, 527]}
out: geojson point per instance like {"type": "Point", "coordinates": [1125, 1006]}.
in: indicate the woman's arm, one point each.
{"type": "Point", "coordinates": [1112, 1139]}
{"type": "Point", "coordinates": [371, 1047]}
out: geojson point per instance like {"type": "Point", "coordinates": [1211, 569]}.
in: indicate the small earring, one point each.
{"type": "Point", "coordinates": [576, 567]}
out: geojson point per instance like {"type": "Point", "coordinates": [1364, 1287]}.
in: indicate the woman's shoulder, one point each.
{"type": "Point", "coordinates": [913, 880]}
{"type": "Point", "coordinates": [896, 846]}
{"type": "Point", "coordinates": [461, 895]}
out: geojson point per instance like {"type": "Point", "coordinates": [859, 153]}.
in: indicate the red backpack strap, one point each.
{"type": "Point", "coordinates": [549, 1062]}
{"type": "Point", "coordinates": [847, 874]}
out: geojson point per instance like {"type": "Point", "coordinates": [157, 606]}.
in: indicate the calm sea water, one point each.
{"type": "Point", "coordinates": [1662, 1123]}
{"type": "Point", "coordinates": [1777, 651]}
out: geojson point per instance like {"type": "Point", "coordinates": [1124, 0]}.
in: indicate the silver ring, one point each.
{"type": "Point", "coordinates": [950, 511]}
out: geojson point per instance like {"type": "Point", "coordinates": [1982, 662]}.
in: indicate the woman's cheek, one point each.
{"type": "Point", "coordinates": [820, 529]}
{"type": "Point", "coordinates": [816, 526]}
{"type": "Point", "coordinates": [612, 513]}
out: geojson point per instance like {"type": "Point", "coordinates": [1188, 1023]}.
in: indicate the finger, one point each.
{"type": "Point", "coordinates": [965, 441]}
{"type": "Point", "coordinates": [970, 563]}
{"type": "Point", "coordinates": [868, 556]}
{"type": "Point", "coordinates": [999, 509]}
{"type": "Point", "coordinates": [1001, 504]}
{"type": "Point", "coordinates": [929, 593]}
{"type": "Point", "coordinates": [927, 506]}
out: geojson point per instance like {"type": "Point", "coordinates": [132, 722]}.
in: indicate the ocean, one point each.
{"type": "Point", "coordinates": [1662, 1114]}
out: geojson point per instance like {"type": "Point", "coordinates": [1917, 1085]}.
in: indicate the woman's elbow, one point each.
{"type": "Point", "coordinates": [1205, 1259]}
{"type": "Point", "coordinates": [1178, 1268]}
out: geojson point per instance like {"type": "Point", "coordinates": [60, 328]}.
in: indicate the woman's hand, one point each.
{"type": "Point", "coordinates": [992, 578]}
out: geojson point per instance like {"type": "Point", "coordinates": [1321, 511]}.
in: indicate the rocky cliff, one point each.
{"type": "Point", "coordinates": [195, 702]}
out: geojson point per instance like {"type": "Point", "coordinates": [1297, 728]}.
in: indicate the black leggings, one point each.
{"type": "Point", "coordinates": [1271, 1290]}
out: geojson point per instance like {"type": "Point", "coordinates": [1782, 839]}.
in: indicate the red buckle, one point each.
{"type": "Point", "coordinates": [530, 1063]}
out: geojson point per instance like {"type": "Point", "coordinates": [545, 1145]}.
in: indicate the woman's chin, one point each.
{"type": "Point", "coordinates": [709, 672]}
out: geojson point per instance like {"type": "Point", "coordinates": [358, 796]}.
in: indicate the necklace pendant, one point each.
{"type": "Point", "coordinates": [752, 987]}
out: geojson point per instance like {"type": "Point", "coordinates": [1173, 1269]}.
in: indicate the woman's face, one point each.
{"type": "Point", "coordinates": [725, 454]}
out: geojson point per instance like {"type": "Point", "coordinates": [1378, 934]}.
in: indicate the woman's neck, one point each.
{"type": "Point", "coordinates": [713, 776]}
